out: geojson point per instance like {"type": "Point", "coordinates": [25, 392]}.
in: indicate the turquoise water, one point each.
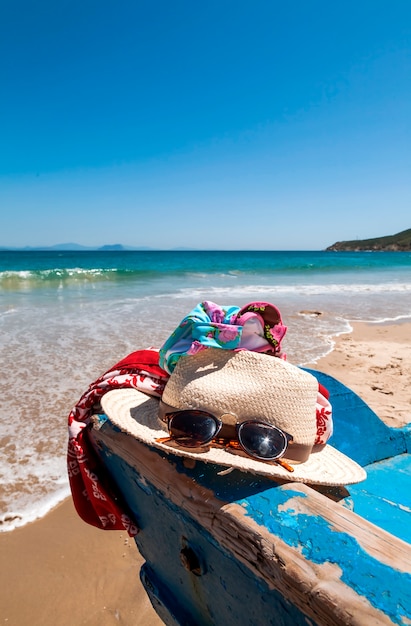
{"type": "Point", "coordinates": [40, 267]}
{"type": "Point", "coordinates": [65, 317]}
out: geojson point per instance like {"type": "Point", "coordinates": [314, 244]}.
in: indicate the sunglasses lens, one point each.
{"type": "Point", "coordinates": [192, 428]}
{"type": "Point", "coordinates": [262, 440]}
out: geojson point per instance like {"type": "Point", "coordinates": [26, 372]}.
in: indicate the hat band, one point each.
{"type": "Point", "coordinates": [296, 452]}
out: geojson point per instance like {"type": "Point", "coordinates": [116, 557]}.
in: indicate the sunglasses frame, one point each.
{"type": "Point", "coordinates": [169, 416]}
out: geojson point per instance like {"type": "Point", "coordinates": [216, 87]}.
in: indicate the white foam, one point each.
{"type": "Point", "coordinates": [299, 289]}
{"type": "Point", "coordinates": [26, 510]}
{"type": "Point", "coordinates": [384, 320]}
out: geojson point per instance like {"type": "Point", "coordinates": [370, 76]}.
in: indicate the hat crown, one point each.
{"type": "Point", "coordinates": [252, 385]}
{"type": "Point", "coordinates": [249, 385]}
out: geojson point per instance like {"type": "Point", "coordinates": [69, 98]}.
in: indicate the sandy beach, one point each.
{"type": "Point", "coordinates": [60, 571]}
{"type": "Point", "coordinates": [374, 362]}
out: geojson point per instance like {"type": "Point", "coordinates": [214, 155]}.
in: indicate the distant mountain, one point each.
{"type": "Point", "coordinates": [401, 242]}
{"type": "Point", "coordinates": [75, 247]}
{"type": "Point", "coordinates": [115, 247]}
{"type": "Point", "coordinates": [64, 246]}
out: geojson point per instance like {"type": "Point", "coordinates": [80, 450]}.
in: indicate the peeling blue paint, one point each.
{"type": "Point", "coordinates": [101, 419]}
{"type": "Point", "coordinates": [383, 499]}
{"type": "Point", "coordinates": [385, 588]}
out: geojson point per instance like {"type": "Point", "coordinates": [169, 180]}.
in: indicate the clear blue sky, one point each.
{"type": "Point", "coordinates": [216, 124]}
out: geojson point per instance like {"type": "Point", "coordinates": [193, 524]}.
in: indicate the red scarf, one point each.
{"type": "Point", "coordinates": [94, 501]}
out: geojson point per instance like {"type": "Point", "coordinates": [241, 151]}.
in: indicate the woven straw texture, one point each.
{"type": "Point", "coordinates": [247, 384]}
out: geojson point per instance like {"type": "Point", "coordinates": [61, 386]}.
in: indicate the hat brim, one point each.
{"type": "Point", "coordinates": [135, 413]}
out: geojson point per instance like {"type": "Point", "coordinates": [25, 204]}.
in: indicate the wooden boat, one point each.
{"type": "Point", "coordinates": [232, 548]}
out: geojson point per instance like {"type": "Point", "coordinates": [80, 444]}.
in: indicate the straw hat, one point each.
{"type": "Point", "coordinates": [247, 385]}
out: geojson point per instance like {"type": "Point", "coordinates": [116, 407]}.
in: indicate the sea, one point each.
{"type": "Point", "coordinates": [67, 317]}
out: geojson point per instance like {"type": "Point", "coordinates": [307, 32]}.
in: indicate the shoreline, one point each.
{"type": "Point", "coordinates": [373, 360]}
{"type": "Point", "coordinates": [59, 570]}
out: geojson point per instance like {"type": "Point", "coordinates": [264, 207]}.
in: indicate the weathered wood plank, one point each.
{"type": "Point", "coordinates": [268, 528]}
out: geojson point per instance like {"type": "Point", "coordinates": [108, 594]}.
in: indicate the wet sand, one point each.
{"type": "Point", "coordinates": [60, 571]}
{"type": "Point", "coordinates": [374, 361]}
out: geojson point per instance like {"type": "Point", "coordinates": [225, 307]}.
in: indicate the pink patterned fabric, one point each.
{"type": "Point", "coordinates": [324, 416]}
{"type": "Point", "coordinates": [272, 328]}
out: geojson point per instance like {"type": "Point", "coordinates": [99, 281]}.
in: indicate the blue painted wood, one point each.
{"type": "Point", "coordinates": [229, 590]}
{"type": "Point", "coordinates": [384, 586]}
{"type": "Point", "coordinates": [192, 513]}
{"type": "Point", "coordinates": [225, 593]}
{"type": "Point", "coordinates": [385, 497]}
{"type": "Point", "coordinates": [358, 431]}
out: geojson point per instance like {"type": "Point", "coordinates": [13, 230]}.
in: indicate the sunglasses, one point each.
{"type": "Point", "coordinates": [195, 429]}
